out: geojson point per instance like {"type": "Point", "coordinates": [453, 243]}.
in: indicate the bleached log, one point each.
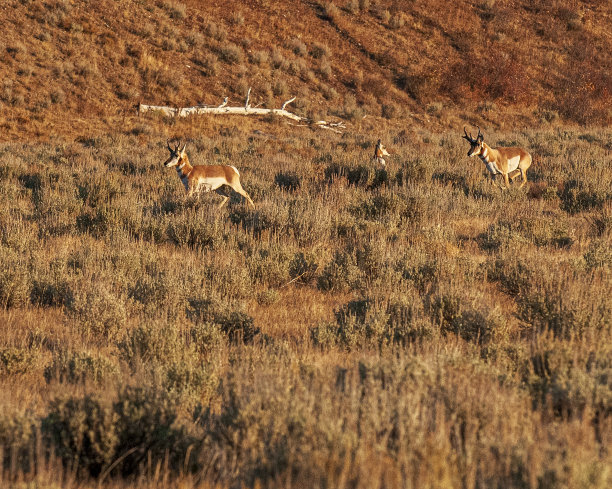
{"type": "Point", "coordinates": [287, 103]}
{"type": "Point", "coordinates": [248, 97]}
{"type": "Point", "coordinates": [246, 110]}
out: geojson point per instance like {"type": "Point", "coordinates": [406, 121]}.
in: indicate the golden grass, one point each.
{"type": "Point", "coordinates": [411, 327]}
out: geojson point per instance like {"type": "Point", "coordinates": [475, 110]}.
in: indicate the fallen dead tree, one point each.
{"type": "Point", "coordinates": [245, 110]}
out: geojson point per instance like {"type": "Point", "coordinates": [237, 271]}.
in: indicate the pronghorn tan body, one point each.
{"type": "Point", "coordinates": [509, 162]}
{"type": "Point", "coordinates": [379, 152]}
{"type": "Point", "coordinates": [204, 178]}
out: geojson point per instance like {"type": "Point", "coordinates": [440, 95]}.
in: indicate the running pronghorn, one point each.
{"type": "Point", "coordinates": [204, 178]}
{"type": "Point", "coordinates": [379, 152]}
{"type": "Point", "coordinates": [509, 162]}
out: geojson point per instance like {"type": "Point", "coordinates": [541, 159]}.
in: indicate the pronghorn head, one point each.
{"type": "Point", "coordinates": [476, 145]}
{"type": "Point", "coordinates": [176, 155]}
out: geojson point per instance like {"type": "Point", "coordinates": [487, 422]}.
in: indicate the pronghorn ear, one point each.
{"type": "Point", "coordinates": [183, 150]}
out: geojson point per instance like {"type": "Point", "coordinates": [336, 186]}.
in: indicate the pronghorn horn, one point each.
{"type": "Point", "coordinates": [168, 143]}
{"type": "Point", "coordinates": [469, 138]}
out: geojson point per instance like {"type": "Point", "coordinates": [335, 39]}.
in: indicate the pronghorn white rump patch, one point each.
{"type": "Point", "coordinates": [513, 163]}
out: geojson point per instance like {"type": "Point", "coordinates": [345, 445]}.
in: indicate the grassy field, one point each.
{"type": "Point", "coordinates": [413, 327]}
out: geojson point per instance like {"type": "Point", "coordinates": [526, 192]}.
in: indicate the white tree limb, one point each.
{"type": "Point", "coordinates": [287, 103]}
{"type": "Point", "coordinates": [246, 104]}
{"type": "Point", "coordinates": [246, 110]}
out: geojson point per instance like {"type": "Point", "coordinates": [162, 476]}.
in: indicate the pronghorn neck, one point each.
{"type": "Point", "coordinates": [184, 166]}
{"type": "Point", "coordinates": [183, 169]}
{"type": "Point", "coordinates": [489, 157]}
{"type": "Point", "coordinates": [487, 154]}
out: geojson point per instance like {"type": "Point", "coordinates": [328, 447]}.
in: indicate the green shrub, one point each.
{"type": "Point", "coordinates": [341, 274]}
{"type": "Point", "coordinates": [146, 427]}
{"type": "Point", "coordinates": [270, 266]}
{"type": "Point", "coordinates": [17, 360]}
{"type": "Point", "coordinates": [399, 319]}
{"type": "Point", "coordinates": [303, 267]}
{"type": "Point", "coordinates": [51, 286]}
{"type": "Point", "coordinates": [14, 279]}
{"type": "Point", "coordinates": [80, 367]}
{"type": "Point", "coordinates": [570, 383]}
{"type": "Point", "coordinates": [266, 218]}
{"type": "Point", "coordinates": [414, 171]}
{"type": "Point", "coordinates": [578, 196]}
{"type": "Point", "coordinates": [82, 432]}
{"type": "Point", "coordinates": [288, 181]}
{"type": "Point", "coordinates": [158, 289]}
{"type": "Point", "coordinates": [196, 231]}
{"type": "Point", "coordinates": [456, 313]}
{"type": "Point", "coordinates": [18, 432]}
{"type": "Point", "coordinates": [98, 190]}
{"type": "Point", "coordinates": [191, 381]}
{"type": "Point", "coordinates": [237, 325]}
{"type": "Point", "coordinates": [207, 337]}
{"type": "Point", "coordinates": [97, 312]}
{"type": "Point", "coordinates": [599, 254]}
{"type": "Point", "coordinates": [152, 342]}
{"type": "Point", "coordinates": [99, 221]}
{"type": "Point", "coordinates": [231, 53]}
{"type": "Point", "coordinates": [568, 306]}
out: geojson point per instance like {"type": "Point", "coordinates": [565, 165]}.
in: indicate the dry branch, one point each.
{"type": "Point", "coordinates": [246, 110]}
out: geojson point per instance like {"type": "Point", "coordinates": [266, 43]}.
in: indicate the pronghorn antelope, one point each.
{"type": "Point", "coordinates": [379, 152]}
{"type": "Point", "coordinates": [509, 162]}
{"type": "Point", "coordinates": [204, 178]}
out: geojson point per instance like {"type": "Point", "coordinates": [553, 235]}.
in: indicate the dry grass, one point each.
{"type": "Point", "coordinates": [411, 327]}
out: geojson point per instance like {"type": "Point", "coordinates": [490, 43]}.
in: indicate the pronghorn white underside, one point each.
{"type": "Point", "coordinates": [208, 184]}
{"type": "Point", "coordinates": [513, 163]}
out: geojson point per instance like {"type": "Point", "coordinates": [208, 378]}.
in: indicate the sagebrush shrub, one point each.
{"type": "Point", "coordinates": [99, 313]}
{"type": "Point", "coordinates": [80, 367]}
{"type": "Point", "coordinates": [17, 360]}
{"type": "Point", "coordinates": [146, 426]}
{"type": "Point", "coordinates": [83, 432]}
{"type": "Point", "coordinates": [577, 196]}
{"type": "Point", "coordinates": [289, 181]}
{"type": "Point", "coordinates": [15, 281]}
{"type": "Point", "coordinates": [341, 273]}
{"type": "Point", "coordinates": [18, 432]}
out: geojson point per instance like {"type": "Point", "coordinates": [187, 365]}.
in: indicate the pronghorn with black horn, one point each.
{"type": "Point", "coordinates": [204, 178]}
{"type": "Point", "coordinates": [509, 162]}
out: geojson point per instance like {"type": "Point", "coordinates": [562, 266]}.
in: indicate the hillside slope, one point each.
{"type": "Point", "coordinates": [71, 67]}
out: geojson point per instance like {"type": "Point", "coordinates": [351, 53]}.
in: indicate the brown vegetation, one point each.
{"type": "Point", "coordinates": [407, 327]}
{"type": "Point", "coordinates": [414, 326]}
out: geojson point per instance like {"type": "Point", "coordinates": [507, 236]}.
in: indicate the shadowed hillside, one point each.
{"type": "Point", "coordinates": [75, 67]}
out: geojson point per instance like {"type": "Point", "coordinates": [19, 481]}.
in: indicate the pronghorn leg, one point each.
{"type": "Point", "coordinates": [238, 188]}
{"type": "Point", "coordinates": [225, 198]}
{"type": "Point", "coordinates": [523, 177]}
{"type": "Point", "coordinates": [506, 180]}
{"type": "Point", "coordinates": [513, 175]}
